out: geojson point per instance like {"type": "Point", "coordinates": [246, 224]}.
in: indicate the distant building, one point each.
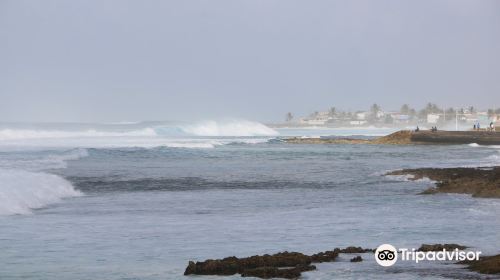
{"type": "Point", "coordinates": [399, 118]}
{"type": "Point", "coordinates": [361, 115]}
{"type": "Point", "coordinates": [319, 118]}
{"type": "Point", "coordinates": [432, 118]}
{"type": "Point", "coordinates": [359, 122]}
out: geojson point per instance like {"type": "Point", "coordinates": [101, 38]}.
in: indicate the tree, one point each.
{"type": "Point", "coordinates": [412, 113]}
{"type": "Point", "coordinates": [450, 114]}
{"type": "Point", "coordinates": [491, 112]}
{"type": "Point", "coordinates": [472, 109]}
{"type": "Point", "coordinates": [374, 109]}
{"type": "Point", "coordinates": [332, 112]}
{"type": "Point", "coordinates": [405, 109]}
{"type": "Point", "coordinates": [289, 117]}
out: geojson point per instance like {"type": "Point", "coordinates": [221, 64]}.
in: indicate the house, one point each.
{"type": "Point", "coordinates": [358, 122]}
{"type": "Point", "coordinates": [361, 115]}
{"type": "Point", "coordinates": [399, 118]}
{"type": "Point", "coordinates": [433, 118]}
{"type": "Point", "coordinates": [318, 118]}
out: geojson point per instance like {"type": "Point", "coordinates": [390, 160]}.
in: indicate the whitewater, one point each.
{"type": "Point", "coordinates": [25, 186]}
{"type": "Point", "coordinates": [140, 199]}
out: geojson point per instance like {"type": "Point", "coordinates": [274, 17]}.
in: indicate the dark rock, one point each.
{"type": "Point", "coordinates": [479, 182]}
{"type": "Point", "coordinates": [357, 259]}
{"type": "Point", "coordinates": [275, 272]}
{"type": "Point", "coordinates": [327, 256]}
{"type": "Point", "coordinates": [233, 265]}
{"type": "Point", "coordinates": [356, 250]}
{"type": "Point", "coordinates": [440, 247]}
{"type": "Point", "coordinates": [486, 264]}
{"type": "Point", "coordinates": [281, 265]}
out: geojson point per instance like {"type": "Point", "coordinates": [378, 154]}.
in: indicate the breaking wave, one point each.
{"type": "Point", "coordinates": [17, 134]}
{"type": "Point", "coordinates": [239, 128]}
{"type": "Point", "coordinates": [21, 191]}
{"type": "Point", "coordinates": [229, 128]}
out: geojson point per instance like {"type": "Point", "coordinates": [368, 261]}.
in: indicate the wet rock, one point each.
{"type": "Point", "coordinates": [275, 272]}
{"type": "Point", "coordinates": [288, 265]}
{"type": "Point", "coordinates": [357, 259]}
{"type": "Point", "coordinates": [486, 264]}
{"type": "Point", "coordinates": [440, 247]}
{"type": "Point", "coordinates": [479, 182]}
{"type": "Point", "coordinates": [355, 250]}
{"type": "Point", "coordinates": [234, 265]}
{"type": "Point", "coordinates": [327, 256]}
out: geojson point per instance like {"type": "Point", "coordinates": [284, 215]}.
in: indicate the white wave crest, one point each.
{"type": "Point", "coordinates": [473, 145]}
{"type": "Point", "coordinates": [21, 191]}
{"type": "Point", "coordinates": [36, 162]}
{"type": "Point", "coordinates": [229, 128]}
{"type": "Point", "coordinates": [19, 134]}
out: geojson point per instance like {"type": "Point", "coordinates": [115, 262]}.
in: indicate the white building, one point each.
{"type": "Point", "coordinates": [432, 118]}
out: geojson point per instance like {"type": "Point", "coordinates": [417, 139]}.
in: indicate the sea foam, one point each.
{"type": "Point", "coordinates": [229, 128]}
{"type": "Point", "coordinates": [21, 191]}
{"type": "Point", "coordinates": [19, 134]}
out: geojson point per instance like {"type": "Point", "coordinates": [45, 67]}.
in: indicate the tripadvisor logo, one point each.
{"type": "Point", "coordinates": [387, 255]}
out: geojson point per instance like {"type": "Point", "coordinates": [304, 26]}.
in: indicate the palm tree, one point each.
{"type": "Point", "coordinates": [491, 112]}
{"type": "Point", "coordinates": [289, 117]}
{"type": "Point", "coordinates": [405, 109]}
{"type": "Point", "coordinates": [332, 112]}
{"type": "Point", "coordinates": [374, 111]}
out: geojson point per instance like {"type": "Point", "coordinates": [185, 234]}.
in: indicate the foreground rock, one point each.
{"type": "Point", "coordinates": [234, 265]}
{"type": "Point", "coordinates": [486, 265]}
{"type": "Point", "coordinates": [479, 182]}
{"type": "Point", "coordinates": [440, 247]}
{"type": "Point", "coordinates": [288, 265]}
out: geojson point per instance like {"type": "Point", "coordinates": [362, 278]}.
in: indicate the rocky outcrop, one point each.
{"type": "Point", "coordinates": [355, 250]}
{"type": "Point", "coordinates": [234, 265]}
{"type": "Point", "coordinates": [485, 265]}
{"type": "Point", "coordinates": [402, 137]}
{"type": "Point", "coordinates": [479, 182]}
{"type": "Point", "coordinates": [457, 137]}
{"type": "Point", "coordinates": [275, 272]}
{"type": "Point", "coordinates": [405, 137]}
{"type": "Point", "coordinates": [342, 140]}
{"type": "Point", "coordinates": [288, 265]}
{"type": "Point", "coordinates": [440, 247]}
{"type": "Point", "coordinates": [357, 259]}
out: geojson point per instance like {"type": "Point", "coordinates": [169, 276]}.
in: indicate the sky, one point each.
{"type": "Point", "coordinates": [118, 60]}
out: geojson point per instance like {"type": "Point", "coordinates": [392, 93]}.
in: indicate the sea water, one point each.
{"type": "Point", "coordinates": [140, 200]}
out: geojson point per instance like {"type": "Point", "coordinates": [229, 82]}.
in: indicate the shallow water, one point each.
{"type": "Point", "coordinates": [146, 210]}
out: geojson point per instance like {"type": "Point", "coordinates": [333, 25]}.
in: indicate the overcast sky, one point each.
{"type": "Point", "coordinates": [120, 60]}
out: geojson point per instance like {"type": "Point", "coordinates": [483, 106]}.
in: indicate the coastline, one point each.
{"type": "Point", "coordinates": [483, 182]}
{"type": "Point", "coordinates": [408, 137]}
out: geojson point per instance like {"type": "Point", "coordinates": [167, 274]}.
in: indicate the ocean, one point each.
{"type": "Point", "coordinates": [140, 200]}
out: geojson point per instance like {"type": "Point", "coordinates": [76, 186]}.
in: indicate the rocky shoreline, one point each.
{"type": "Point", "coordinates": [402, 137]}
{"type": "Point", "coordinates": [479, 182]}
{"type": "Point", "coordinates": [287, 265]}
{"type": "Point", "coordinates": [290, 265]}
{"type": "Point", "coordinates": [485, 265]}
{"type": "Point", "coordinates": [407, 137]}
